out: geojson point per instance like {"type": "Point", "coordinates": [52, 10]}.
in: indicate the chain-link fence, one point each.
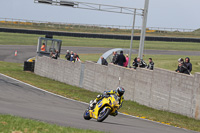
{"type": "Point", "coordinates": [94, 28]}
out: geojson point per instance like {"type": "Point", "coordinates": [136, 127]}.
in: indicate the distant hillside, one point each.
{"type": "Point", "coordinates": [197, 31]}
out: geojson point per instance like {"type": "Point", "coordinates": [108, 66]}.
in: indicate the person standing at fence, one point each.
{"type": "Point", "coordinates": [134, 61]}
{"type": "Point", "coordinates": [51, 54]}
{"type": "Point", "coordinates": [151, 64]}
{"type": "Point", "coordinates": [56, 55]}
{"type": "Point", "coordinates": [188, 64]}
{"type": "Point", "coordinates": [76, 57]}
{"type": "Point", "coordinates": [127, 59]}
{"type": "Point", "coordinates": [139, 63]}
{"type": "Point", "coordinates": [114, 57]}
{"type": "Point", "coordinates": [182, 68]}
{"type": "Point", "coordinates": [72, 56]}
{"type": "Point", "coordinates": [68, 55]}
{"type": "Point", "coordinates": [120, 59]}
{"type": "Point", "coordinates": [103, 61]}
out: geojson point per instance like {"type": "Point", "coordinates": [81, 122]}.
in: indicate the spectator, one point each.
{"type": "Point", "coordinates": [120, 59]}
{"type": "Point", "coordinates": [139, 63]}
{"type": "Point", "coordinates": [72, 56]}
{"type": "Point", "coordinates": [103, 61]}
{"type": "Point", "coordinates": [142, 63]}
{"type": "Point", "coordinates": [182, 68]}
{"type": "Point", "coordinates": [68, 55]}
{"type": "Point", "coordinates": [56, 55]}
{"type": "Point", "coordinates": [188, 64]}
{"type": "Point", "coordinates": [134, 61]}
{"type": "Point", "coordinates": [127, 59]}
{"type": "Point", "coordinates": [76, 57]}
{"type": "Point", "coordinates": [114, 57]}
{"type": "Point", "coordinates": [51, 54]}
{"type": "Point", "coordinates": [43, 47]}
{"type": "Point", "coordinates": [151, 64]}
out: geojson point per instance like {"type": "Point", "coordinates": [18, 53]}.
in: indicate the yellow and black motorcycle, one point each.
{"type": "Point", "coordinates": [107, 106]}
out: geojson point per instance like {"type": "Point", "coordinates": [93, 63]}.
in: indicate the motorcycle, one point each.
{"type": "Point", "coordinates": [107, 106]}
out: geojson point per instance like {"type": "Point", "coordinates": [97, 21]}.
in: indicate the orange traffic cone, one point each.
{"type": "Point", "coordinates": [16, 53]}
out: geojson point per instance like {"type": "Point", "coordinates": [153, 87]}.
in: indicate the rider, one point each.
{"type": "Point", "coordinates": [119, 92]}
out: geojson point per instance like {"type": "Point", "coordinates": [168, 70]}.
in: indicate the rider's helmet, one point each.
{"type": "Point", "coordinates": [180, 60]}
{"type": "Point", "coordinates": [120, 91]}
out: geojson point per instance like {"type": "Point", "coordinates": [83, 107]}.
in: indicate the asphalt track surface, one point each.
{"type": "Point", "coordinates": [25, 52]}
{"type": "Point", "coordinates": [19, 99]}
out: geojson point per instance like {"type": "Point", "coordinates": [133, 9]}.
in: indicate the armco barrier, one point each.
{"type": "Point", "coordinates": [160, 89]}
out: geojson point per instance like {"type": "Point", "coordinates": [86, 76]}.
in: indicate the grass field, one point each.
{"type": "Point", "coordinates": [15, 70]}
{"type": "Point", "coordinates": [13, 124]}
{"type": "Point", "coordinates": [168, 62]}
{"type": "Point", "coordinates": [29, 39]}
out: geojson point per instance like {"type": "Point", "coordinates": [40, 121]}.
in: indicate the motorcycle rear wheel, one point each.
{"type": "Point", "coordinates": [86, 115]}
{"type": "Point", "coordinates": [103, 115]}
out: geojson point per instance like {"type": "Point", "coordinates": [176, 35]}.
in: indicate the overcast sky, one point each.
{"type": "Point", "coordinates": [162, 13]}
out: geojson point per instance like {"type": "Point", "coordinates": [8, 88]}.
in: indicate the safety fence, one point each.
{"type": "Point", "coordinates": [160, 89]}
{"type": "Point", "coordinates": [94, 28]}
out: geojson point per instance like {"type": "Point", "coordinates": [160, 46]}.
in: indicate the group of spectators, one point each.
{"type": "Point", "coordinates": [71, 56]}
{"type": "Point", "coordinates": [121, 60]}
{"type": "Point", "coordinates": [184, 66]}
{"type": "Point", "coordinates": [141, 63]}
{"type": "Point", "coordinates": [52, 54]}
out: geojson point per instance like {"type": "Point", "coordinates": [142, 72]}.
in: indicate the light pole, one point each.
{"type": "Point", "coordinates": [143, 30]}
{"type": "Point", "coordinates": [92, 6]}
{"type": "Point", "coordinates": [132, 35]}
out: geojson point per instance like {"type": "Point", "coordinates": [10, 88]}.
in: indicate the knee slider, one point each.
{"type": "Point", "coordinates": [116, 112]}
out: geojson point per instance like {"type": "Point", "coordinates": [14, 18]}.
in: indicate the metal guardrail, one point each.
{"type": "Point", "coordinates": [60, 24]}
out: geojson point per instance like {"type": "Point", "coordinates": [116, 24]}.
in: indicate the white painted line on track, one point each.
{"type": "Point", "coordinates": [42, 89]}
{"type": "Point", "coordinates": [83, 102]}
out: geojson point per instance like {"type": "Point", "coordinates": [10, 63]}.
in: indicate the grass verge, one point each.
{"type": "Point", "coordinates": [31, 39]}
{"type": "Point", "coordinates": [15, 70]}
{"type": "Point", "coordinates": [13, 124]}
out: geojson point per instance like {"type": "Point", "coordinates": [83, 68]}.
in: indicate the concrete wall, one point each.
{"type": "Point", "coordinates": [196, 101]}
{"type": "Point", "coordinates": [60, 70]}
{"type": "Point", "coordinates": [160, 89]}
{"type": "Point", "coordinates": [172, 91]}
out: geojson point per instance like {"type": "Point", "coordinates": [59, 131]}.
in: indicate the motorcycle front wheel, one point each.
{"type": "Point", "coordinates": [103, 114]}
{"type": "Point", "coordinates": [86, 115]}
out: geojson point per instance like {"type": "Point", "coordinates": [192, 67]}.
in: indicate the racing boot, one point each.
{"type": "Point", "coordinates": [115, 113]}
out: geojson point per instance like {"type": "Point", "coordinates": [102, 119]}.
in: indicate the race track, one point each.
{"type": "Point", "coordinates": [25, 52]}
{"type": "Point", "coordinates": [19, 99]}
